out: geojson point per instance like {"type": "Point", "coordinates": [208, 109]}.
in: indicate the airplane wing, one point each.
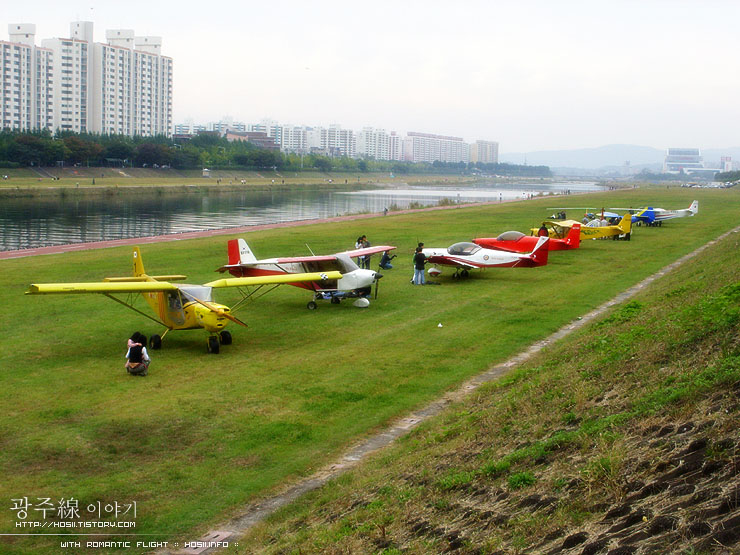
{"type": "Point", "coordinates": [274, 279]}
{"type": "Point", "coordinates": [367, 251]}
{"type": "Point", "coordinates": [100, 287]}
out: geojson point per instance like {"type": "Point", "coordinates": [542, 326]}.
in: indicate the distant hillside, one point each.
{"type": "Point", "coordinates": [609, 156]}
{"type": "Point", "coordinates": [589, 158]}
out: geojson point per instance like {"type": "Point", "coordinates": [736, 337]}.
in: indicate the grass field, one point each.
{"type": "Point", "coordinates": [621, 438]}
{"type": "Point", "coordinates": [202, 435]}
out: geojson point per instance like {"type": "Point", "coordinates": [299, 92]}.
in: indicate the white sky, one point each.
{"type": "Point", "coordinates": [531, 74]}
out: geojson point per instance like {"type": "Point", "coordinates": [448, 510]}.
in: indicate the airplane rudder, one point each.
{"type": "Point", "coordinates": [245, 253]}
{"type": "Point", "coordinates": [138, 263]}
{"type": "Point", "coordinates": [232, 249]}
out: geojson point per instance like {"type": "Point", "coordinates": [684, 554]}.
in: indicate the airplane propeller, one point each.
{"type": "Point", "coordinates": [378, 275]}
{"type": "Point", "coordinates": [219, 311]}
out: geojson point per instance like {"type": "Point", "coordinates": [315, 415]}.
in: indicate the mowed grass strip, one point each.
{"type": "Point", "coordinates": [203, 435]}
{"type": "Point", "coordinates": [544, 453]}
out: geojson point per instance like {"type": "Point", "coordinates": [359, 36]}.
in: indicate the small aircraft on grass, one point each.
{"type": "Point", "coordinates": [656, 216]}
{"type": "Point", "coordinates": [559, 229]}
{"type": "Point", "coordinates": [352, 282]}
{"type": "Point", "coordinates": [177, 307]}
{"type": "Point", "coordinates": [516, 241]}
{"type": "Point", "coordinates": [468, 256]}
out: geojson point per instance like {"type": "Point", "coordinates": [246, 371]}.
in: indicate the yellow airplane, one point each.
{"type": "Point", "coordinates": [178, 307]}
{"type": "Point", "coordinates": [559, 229]}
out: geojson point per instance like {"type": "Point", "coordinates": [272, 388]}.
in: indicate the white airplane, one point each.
{"type": "Point", "coordinates": [354, 282]}
{"type": "Point", "coordinates": [467, 256]}
{"type": "Point", "coordinates": [656, 216]}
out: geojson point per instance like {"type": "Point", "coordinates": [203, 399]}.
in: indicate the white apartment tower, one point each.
{"type": "Point", "coordinates": [425, 147]}
{"type": "Point", "coordinates": [294, 139]}
{"type": "Point", "coordinates": [333, 140]}
{"type": "Point", "coordinates": [485, 152]}
{"type": "Point", "coordinates": [123, 86]}
{"type": "Point", "coordinates": [25, 81]}
{"type": "Point", "coordinates": [374, 144]}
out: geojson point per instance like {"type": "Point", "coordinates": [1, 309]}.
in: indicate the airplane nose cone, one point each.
{"type": "Point", "coordinates": [378, 275]}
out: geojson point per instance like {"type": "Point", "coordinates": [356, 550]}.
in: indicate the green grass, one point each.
{"type": "Point", "coordinates": [203, 435]}
{"type": "Point", "coordinates": [609, 384]}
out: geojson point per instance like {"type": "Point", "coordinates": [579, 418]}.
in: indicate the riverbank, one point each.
{"type": "Point", "coordinates": [29, 183]}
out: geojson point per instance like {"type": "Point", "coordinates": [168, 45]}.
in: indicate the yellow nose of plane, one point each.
{"type": "Point", "coordinates": [211, 320]}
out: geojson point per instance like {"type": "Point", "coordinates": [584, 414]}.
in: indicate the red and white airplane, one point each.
{"type": "Point", "coordinates": [516, 241]}
{"type": "Point", "coordinates": [355, 282]}
{"type": "Point", "coordinates": [468, 256]}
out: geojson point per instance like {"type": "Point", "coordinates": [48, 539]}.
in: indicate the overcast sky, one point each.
{"type": "Point", "coordinates": [530, 74]}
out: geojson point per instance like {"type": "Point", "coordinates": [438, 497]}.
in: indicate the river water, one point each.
{"type": "Point", "coordinates": [41, 222]}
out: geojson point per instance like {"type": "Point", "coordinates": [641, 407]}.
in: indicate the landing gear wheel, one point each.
{"type": "Point", "coordinates": [213, 345]}
{"type": "Point", "coordinates": [335, 300]}
{"type": "Point", "coordinates": [311, 305]}
{"type": "Point", "coordinates": [155, 342]}
{"type": "Point", "coordinates": [464, 273]}
{"type": "Point", "coordinates": [225, 337]}
{"type": "Point", "coordinates": [627, 237]}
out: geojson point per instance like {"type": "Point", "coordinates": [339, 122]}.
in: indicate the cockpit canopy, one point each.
{"type": "Point", "coordinates": [464, 249]}
{"type": "Point", "coordinates": [510, 236]}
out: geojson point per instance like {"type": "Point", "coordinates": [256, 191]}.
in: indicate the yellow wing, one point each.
{"type": "Point", "coordinates": [100, 287]}
{"type": "Point", "coordinates": [274, 279]}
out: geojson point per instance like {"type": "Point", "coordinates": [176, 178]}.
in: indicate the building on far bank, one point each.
{"type": "Point", "coordinates": [679, 160]}
{"type": "Point", "coordinates": [485, 152]}
{"type": "Point", "coordinates": [425, 147]}
{"type": "Point", "coordinates": [123, 86]}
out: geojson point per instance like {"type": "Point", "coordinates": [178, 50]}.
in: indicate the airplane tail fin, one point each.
{"type": "Point", "coordinates": [694, 208]}
{"type": "Point", "coordinates": [540, 252]}
{"type": "Point", "coordinates": [138, 263]}
{"type": "Point", "coordinates": [573, 239]}
{"type": "Point", "coordinates": [626, 224]}
{"type": "Point", "coordinates": [240, 253]}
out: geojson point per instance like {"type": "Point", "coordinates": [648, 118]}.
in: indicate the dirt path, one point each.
{"type": "Point", "coordinates": [259, 510]}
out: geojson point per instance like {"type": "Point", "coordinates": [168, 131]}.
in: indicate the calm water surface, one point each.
{"type": "Point", "coordinates": [30, 223]}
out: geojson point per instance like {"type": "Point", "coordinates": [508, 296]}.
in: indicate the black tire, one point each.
{"type": "Point", "coordinates": [213, 344]}
{"type": "Point", "coordinates": [225, 337]}
{"type": "Point", "coordinates": [312, 305]}
{"type": "Point", "coordinates": [627, 236]}
{"type": "Point", "coordinates": [335, 300]}
{"type": "Point", "coordinates": [464, 273]}
{"type": "Point", "coordinates": [155, 342]}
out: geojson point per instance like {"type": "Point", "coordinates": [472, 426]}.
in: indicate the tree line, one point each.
{"type": "Point", "coordinates": [206, 150]}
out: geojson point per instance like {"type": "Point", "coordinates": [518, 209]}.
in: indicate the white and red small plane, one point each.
{"type": "Point", "coordinates": [354, 283]}
{"type": "Point", "coordinates": [516, 241]}
{"type": "Point", "coordinates": [468, 256]}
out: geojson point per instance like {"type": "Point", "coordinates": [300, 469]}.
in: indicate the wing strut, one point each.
{"type": "Point", "coordinates": [129, 305]}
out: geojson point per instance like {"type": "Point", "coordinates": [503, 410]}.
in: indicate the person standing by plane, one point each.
{"type": "Point", "coordinates": [419, 262]}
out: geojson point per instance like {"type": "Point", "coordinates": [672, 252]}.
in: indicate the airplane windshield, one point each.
{"type": "Point", "coordinates": [346, 264]}
{"type": "Point", "coordinates": [192, 292]}
{"type": "Point", "coordinates": [510, 236]}
{"type": "Point", "coordinates": [463, 248]}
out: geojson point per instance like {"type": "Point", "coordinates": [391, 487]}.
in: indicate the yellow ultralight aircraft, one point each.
{"type": "Point", "coordinates": [559, 229]}
{"type": "Point", "coordinates": [177, 307]}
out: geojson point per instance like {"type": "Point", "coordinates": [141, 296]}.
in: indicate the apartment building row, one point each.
{"type": "Point", "coordinates": [123, 86]}
{"type": "Point", "coordinates": [371, 143]}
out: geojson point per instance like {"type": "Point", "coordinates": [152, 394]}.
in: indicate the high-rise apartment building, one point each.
{"type": "Point", "coordinates": [333, 140]}
{"type": "Point", "coordinates": [425, 147]}
{"type": "Point", "coordinates": [123, 86]}
{"type": "Point", "coordinates": [25, 81]}
{"type": "Point", "coordinates": [485, 152]}
{"type": "Point", "coordinates": [374, 144]}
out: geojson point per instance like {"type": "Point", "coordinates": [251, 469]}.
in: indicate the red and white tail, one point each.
{"type": "Point", "coordinates": [573, 239]}
{"type": "Point", "coordinates": [540, 252]}
{"type": "Point", "coordinates": [694, 208]}
{"type": "Point", "coordinates": [240, 253]}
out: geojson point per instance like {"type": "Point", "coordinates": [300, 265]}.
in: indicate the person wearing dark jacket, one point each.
{"type": "Point", "coordinates": [419, 261]}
